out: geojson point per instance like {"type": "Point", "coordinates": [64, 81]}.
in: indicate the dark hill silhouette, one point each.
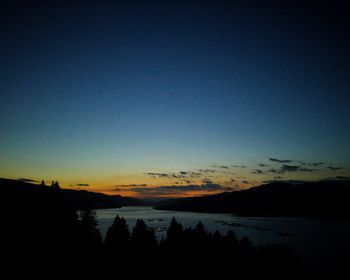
{"type": "Point", "coordinates": [14, 193]}
{"type": "Point", "coordinates": [314, 199]}
{"type": "Point", "coordinates": [127, 201]}
{"type": "Point", "coordinates": [40, 227]}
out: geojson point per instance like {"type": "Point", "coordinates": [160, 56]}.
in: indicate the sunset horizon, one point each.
{"type": "Point", "coordinates": [175, 139]}
{"type": "Point", "coordinates": [124, 97]}
{"type": "Point", "coordinates": [211, 179]}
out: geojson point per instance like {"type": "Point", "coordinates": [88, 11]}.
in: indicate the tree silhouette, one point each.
{"type": "Point", "coordinates": [231, 239]}
{"type": "Point", "coordinates": [144, 247]}
{"type": "Point", "coordinates": [245, 244]}
{"type": "Point", "coordinates": [56, 186]}
{"type": "Point", "coordinates": [200, 233]}
{"type": "Point", "coordinates": [277, 259]}
{"type": "Point", "coordinates": [217, 241]}
{"type": "Point", "coordinates": [142, 237]}
{"type": "Point", "coordinates": [89, 236]}
{"type": "Point", "coordinates": [175, 231]}
{"type": "Point", "coordinates": [172, 247]}
{"type": "Point", "coordinates": [117, 237]}
{"type": "Point", "coordinates": [88, 218]}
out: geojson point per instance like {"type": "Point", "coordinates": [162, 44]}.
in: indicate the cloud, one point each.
{"type": "Point", "coordinates": [173, 189]}
{"type": "Point", "coordinates": [342, 177]}
{"type": "Point", "coordinates": [307, 170]}
{"type": "Point", "coordinates": [157, 175]}
{"type": "Point", "coordinates": [179, 175]}
{"type": "Point", "coordinates": [224, 167]}
{"type": "Point", "coordinates": [207, 170]}
{"type": "Point", "coordinates": [221, 166]}
{"type": "Point", "coordinates": [208, 186]}
{"type": "Point", "coordinates": [294, 182]}
{"type": "Point", "coordinates": [258, 171]}
{"type": "Point", "coordinates": [317, 163]}
{"type": "Point", "coordinates": [290, 168]}
{"type": "Point", "coordinates": [26, 180]}
{"type": "Point", "coordinates": [191, 175]}
{"type": "Point", "coordinates": [280, 160]}
{"type": "Point", "coordinates": [82, 185]}
{"type": "Point", "coordinates": [207, 181]}
{"type": "Point", "coordinates": [176, 190]}
{"type": "Point", "coordinates": [335, 168]}
{"type": "Point", "coordinates": [264, 165]}
{"type": "Point", "coordinates": [294, 168]}
{"type": "Point", "coordinates": [339, 178]}
{"type": "Point", "coordinates": [131, 185]}
{"type": "Point", "coordinates": [273, 170]}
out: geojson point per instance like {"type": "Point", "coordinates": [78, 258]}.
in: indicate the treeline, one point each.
{"type": "Point", "coordinates": [14, 193]}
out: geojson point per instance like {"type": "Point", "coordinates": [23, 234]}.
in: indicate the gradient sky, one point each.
{"type": "Point", "coordinates": [194, 96]}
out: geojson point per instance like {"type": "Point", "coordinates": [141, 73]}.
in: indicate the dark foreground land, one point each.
{"type": "Point", "coordinates": [48, 237]}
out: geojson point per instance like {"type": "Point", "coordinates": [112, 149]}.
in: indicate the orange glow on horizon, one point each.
{"type": "Point", "coordinates": [183, 194]}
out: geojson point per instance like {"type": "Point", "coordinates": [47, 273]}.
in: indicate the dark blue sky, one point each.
{"type": "Point", "coordinates": [101, 91]}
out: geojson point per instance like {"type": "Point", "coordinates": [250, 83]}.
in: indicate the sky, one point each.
{"type": "Point", "coordinates": [174, 98]}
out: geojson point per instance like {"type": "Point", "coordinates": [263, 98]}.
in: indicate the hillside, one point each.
{"type": "Point", "coordinates": [317, 199]}
{"type": "Point", "coordinates": [15, 193]}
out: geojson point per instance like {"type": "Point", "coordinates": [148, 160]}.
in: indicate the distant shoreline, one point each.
{"type": "Point", "coordinates": [311, 200]}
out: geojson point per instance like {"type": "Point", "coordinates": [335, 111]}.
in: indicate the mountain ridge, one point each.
{"type": "Point", "coordinates": [310, 199]}
{"type": "Point", "coordinates": [18, 193]}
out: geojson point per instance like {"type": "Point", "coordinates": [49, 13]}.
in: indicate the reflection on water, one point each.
{"type": "Point", "coordinates": [321, 243]}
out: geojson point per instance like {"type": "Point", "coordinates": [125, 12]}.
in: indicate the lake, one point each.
{"type": "Point", "coordinates": [324, 244]}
